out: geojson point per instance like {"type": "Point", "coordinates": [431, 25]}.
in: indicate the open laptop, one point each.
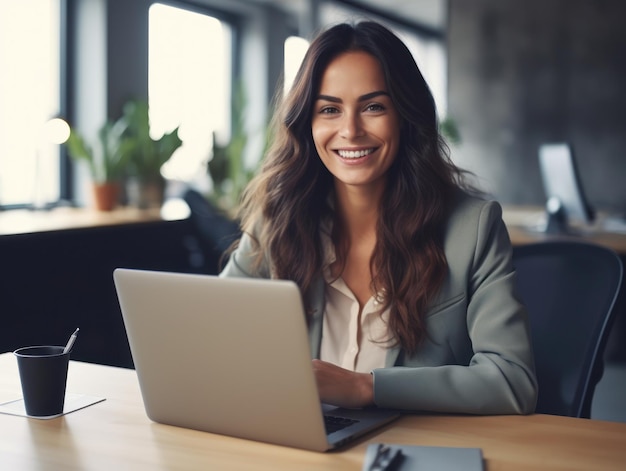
{"type": "Point", "coordinates": [230, 356]}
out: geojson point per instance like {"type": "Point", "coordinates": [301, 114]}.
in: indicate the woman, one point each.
{"type": "Point", "coordinates": [406, 278]}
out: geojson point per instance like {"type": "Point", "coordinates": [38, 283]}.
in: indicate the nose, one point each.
{"type": "Point", "coordinates": [351, 126]}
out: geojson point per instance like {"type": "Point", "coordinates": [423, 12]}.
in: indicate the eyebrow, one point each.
{"type": "Point", "coordinates": [367, 96]}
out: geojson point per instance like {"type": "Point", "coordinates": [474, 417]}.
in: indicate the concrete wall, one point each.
{"type": "Point", "coordinates": [524, 73]}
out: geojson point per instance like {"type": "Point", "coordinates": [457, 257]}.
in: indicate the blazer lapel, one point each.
{"type": "Point", "coordinates": [392, 356]}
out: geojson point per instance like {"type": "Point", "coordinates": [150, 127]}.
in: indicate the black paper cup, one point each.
{"type": "Point", "coordinates": [43, 374]}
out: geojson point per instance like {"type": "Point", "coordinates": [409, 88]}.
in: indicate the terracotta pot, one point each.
{"type": "Point", "coordinates": [106, 195]}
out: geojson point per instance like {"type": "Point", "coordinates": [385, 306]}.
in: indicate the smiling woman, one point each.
{"type": "Point", "coordinates": [355, 123]}
{"type": "Point", "coordinates": [405, 272]}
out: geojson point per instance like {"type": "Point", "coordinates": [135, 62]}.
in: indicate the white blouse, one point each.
{"type": "Point", "coordinates": [353, 340]}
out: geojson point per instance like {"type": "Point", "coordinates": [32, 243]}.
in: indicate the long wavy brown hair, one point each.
{"type": "Point", "coordinates": [286, 203]}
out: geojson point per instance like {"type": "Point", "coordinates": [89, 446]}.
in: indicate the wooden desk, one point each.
{"type": "Point", "coordinates": [520, 220]}
{"type": "Point", "coordinates": [116, 434]}
{"type": "Point", "coordinates": [24, 221]}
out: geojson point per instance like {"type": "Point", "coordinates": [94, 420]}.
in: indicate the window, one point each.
{"type": "Point", "coordinates": [295, 49]}
{"type": "Point", "coordinates": [189, 84]}
{"type": "Point", "coordinates": [430, 56]}
{"type": "Point", "coordinates": [29, 96]}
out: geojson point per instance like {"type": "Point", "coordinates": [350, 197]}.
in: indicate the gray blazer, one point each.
{"type": "Point", "coordinates": [477, 358]}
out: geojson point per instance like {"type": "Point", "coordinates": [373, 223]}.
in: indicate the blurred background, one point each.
{"type": "Point", "coordinates": [191, 83]}
{"type": "Point", "coordinates": [508, 76]}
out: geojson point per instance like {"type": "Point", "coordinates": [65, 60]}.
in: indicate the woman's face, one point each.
{"type": "Point", "coordinates": [355, 125]}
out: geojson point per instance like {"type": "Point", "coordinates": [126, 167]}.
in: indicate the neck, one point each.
{"type": "Point", "coordinates": [358, 209]}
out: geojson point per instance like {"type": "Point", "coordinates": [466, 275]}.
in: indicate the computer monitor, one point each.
{"type": "Point", "coordinates": [565, 199]}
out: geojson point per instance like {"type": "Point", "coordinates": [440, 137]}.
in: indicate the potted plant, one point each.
{"type": "Point", "coordinates": [106, 161]}
{"type": "Point", "coordinates": [146, 156]}
{"type": "Point", "coordinates": [227, 167]}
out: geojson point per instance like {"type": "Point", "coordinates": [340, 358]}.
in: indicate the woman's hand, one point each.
{"type": "Point", "coordinates": [341, 387]}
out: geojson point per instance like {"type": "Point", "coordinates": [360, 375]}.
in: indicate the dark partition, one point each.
{"type": "Point", "coordinates": [53, 282]}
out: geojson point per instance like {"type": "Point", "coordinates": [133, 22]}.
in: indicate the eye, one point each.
{"type": "Point", "coordinates": [375, 107]}
{"type": "Point", "coordinates": [328, 110]}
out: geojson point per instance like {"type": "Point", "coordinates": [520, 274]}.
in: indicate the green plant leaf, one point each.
{"type": "Point", "coordinates": [450, 130]}
{"type": "Point", "coordinates": [146, 156]}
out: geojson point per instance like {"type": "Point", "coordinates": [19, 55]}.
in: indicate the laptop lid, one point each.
{"type": "Point", "coordinates": [229, 356]}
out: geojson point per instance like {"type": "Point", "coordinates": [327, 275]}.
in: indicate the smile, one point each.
{"type": "Point", "coordinates": [354, 154]}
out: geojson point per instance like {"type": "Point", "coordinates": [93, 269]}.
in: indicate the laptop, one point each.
{"type": "Point", "coordinates": [231, 356]}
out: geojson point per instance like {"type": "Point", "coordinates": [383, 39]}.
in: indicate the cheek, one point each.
{"type": "Point", "coordinates": [393, 149]}
{"type": "Point", "coordinates": [396, 142]}
{"type": "Point", "coordinates": [320, 135]}
{"type": "Point", "coordinates": [394, 136]}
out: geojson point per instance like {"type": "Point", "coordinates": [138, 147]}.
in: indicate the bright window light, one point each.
{"type": "Point", "coordinates": [430, 56]}
{"type": "Point", "coordinates": [295, 49]}
{"type": "Point", "coordinates": [189, 84]}
{"type": "Point", "coordinates": [29, 97]}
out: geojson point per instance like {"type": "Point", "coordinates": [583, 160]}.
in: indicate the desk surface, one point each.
{"type": "Point", "coordinates": [521, 219]}
{"type": "Point", "coordinates": [24, 221]}
{"type": "Point", "coordinates": [116, 434]}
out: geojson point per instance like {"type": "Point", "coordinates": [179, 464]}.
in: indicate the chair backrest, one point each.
{"type": "Point", "coordinates": [216, 231]}
{"type": "Point", "coordinates": [570, 289]}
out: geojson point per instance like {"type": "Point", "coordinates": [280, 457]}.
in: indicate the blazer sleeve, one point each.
{"type": "Point", "coordinates": [242, 261]}
{"type": "Point", "coordinates": [499, 377]}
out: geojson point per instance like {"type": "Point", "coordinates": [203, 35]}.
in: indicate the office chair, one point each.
{"type": "Point", "coordinates": [216, 231]}
{"type": "Point", "coordinates": [570, 289]}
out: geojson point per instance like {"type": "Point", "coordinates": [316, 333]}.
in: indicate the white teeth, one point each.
{"type": "Point", "coordinates": [352, 154]}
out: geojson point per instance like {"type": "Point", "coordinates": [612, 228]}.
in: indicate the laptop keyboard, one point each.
{"type": "Point", "coordinates": [334, 423]}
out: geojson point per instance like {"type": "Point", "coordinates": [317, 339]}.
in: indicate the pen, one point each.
{"type": "Point", "coordinates": [386, 460]}
{"type": "Point", "coordinates": [70, 342]}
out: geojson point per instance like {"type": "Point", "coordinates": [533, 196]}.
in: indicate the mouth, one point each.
{"type": "Point", "coordinates": [354, 154]}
